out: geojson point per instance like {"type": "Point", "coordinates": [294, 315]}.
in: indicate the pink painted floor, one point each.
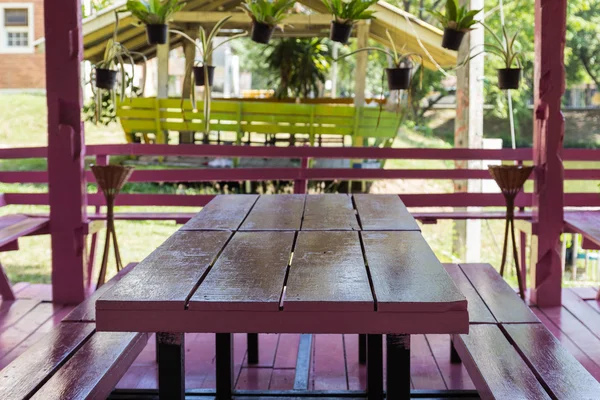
{"type": "Point", "coordinates": [334, 357]}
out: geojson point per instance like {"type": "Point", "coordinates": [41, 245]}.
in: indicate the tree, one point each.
{"type": "Point", "coordinates": [583, 41]}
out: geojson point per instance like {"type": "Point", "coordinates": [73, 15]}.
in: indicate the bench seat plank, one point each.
{"type": "Point", "coordinates": [28, 372]}
{"type": "Point", "coordinates": [495, 367]}
{"type": "Point", "coordinates": [86, 310]}
{"type": "Point", "coordinates": [498, 295]}
{"type": "Point", "coordinates": [328, 273]}
{"type": "Point", "coordinates": [249, 275]}
{"type": "Point", "coordinates": [563, 375]}
{"type": "Point", "coordinates": [407, 275]}
{"type": "Point", "coordinates": [96, 368]}
{"type": "Point", "coordinates": [383, 212]}
{"type": "Point", "coordinates": [329, 212]}
{"type": "Point", "coordinates": [478, 311]}
{"type": "Point", "coordinates": [13, 227]}
{"type": "Point", "coordinates": [586, 223]}
{"type": "Point", "coordinates": [283, 212]}
{"type": "Point", "coordinates": [168, 276]}
{"type": "Point", "coordinates": [225, 212]}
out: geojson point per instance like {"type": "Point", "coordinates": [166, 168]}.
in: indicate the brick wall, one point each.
{"type": "Point", "coordinates": [25, 71]}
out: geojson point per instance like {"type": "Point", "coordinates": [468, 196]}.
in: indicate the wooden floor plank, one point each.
{"type": "Point", "coordinates": [287, 351]}
{"type": "Point", "coordinates": [249, 275]}
{"type": "Point", "coordinates": [12, 311]}
{"type": "Point", "coordinates": [282, 379]}
{"type": "Point", "coordinates": [39, 291]}
{"type": "Point", "coordinates": [267, 347]}
{"type": "Point", "coordinates": [563, 374]}
{"type": "Point", "coordinates": [357, 373]}
{"type": "Point", "coordinates": [586, 293]}
{"type": "Point", "coordinates": [329, 369]}
{"type": "Point", "coordinates": [276, 213]}
{"type": "Point", "coordinates": [403, 267]}
{"type": "Point", "coordinates": [329, 212]}
{"type": "Point", "coordinates": [455, 376]}
{"type": "Point", "coordinates": [168, 276]}
{"type": "Point", "coordinates": [223, 212]}
{"type": "Point", "coordinates": [595, 304]}
{"type": "Point", "coordinates": [582, 311]}
{"type": "Point", "coordinates": [328, 274]}
{"type": "Point", "coordinates": [569, 344]}
{"type": "Point", "coordinates": [254, 379]}
{"type": "Point", "coordinates": [383, 212]}
{"type": "Point", "coordinates": [500, 298]}
{"type": "Point", "coordinates": [424, 371]}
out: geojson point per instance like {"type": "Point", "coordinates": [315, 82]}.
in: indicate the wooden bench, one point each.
{"type": "Point", "coordinates": [508, 352]}
{"type": "Point", "coordinates": [12, 227]}
{"type": "Point", "coordinates": [73, 361]}
{"type": "Point", "coordinates": [156, 116]}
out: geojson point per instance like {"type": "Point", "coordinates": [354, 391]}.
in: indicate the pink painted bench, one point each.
{"type": "Point", "coordinates": [73, 361]}
{"type": "Point", "coordinates": [12, 227]}
{"type": "Point", "coordinates": [508, 353]}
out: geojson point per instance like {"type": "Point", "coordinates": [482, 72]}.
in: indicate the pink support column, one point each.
{"type": "Point", "coordinates": [549, 78]}
{"type": "Point", "coordinates": [66, 149]}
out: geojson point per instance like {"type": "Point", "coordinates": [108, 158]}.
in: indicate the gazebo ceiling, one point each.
{"type": "Point", "coordinates": [405, 29]}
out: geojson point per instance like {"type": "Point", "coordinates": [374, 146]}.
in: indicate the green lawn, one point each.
{"type": "Point", "coordinates": [23, 123]}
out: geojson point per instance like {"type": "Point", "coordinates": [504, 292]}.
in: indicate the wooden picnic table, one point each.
{"type": "Point", "coordinates": [330, 263]}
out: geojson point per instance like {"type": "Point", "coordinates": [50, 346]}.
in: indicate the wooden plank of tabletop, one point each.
{"type": "Point", "coordinates": [478, 311]}
{"type": "Point", "coordinates": [224, 212]}
{"type": "Point", "coordinates": [500, 298]}
{"type": "Point", "coordinates": [380, 212]}
{"type": "Point", "coordinates": [249, 275]}
{"type": "Point", "coordinates": [168, 276]}
{"type": "Point", "coordinates": [407, 276]}
{"type": "Point", "coordinates": [328, 273]}
{"type": "Point", "coordinates": [276, 212]}
{"type": "Point", "coordinates": [324, 212]}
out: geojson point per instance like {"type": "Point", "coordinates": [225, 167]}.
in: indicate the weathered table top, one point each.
{"type": "Point", "coordinates": [290, 264]}
{"type": "Point", "coordinates": [586, 223]}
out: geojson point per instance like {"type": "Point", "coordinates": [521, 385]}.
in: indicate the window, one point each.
{"type": "Point", "coordinates": [16, 31]}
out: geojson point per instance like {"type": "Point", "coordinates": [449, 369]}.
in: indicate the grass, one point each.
{"type": "Point", "coordinates": [23, 124]}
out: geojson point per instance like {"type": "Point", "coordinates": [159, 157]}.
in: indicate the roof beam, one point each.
{"type": "Point", "coordinates": [212, 17]}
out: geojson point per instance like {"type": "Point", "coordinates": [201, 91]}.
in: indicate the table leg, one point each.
{"type": "Point", "coordinates": [224, 365]}
{"type": "Point", "coordinates": [398, 367]}
{"type": "Point", "coordinates": [252, 339]}
{"type": "Point", "coordinates": [171, 368]}
{"type": "Point", "coordinates": [454, 357]}
{"type": "Point", "coordinates": [374, 367]}
{"type": "Point", "coordinates": [362, 349]}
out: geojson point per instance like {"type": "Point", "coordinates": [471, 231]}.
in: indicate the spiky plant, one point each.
{"type": "Point", "coordinates": [153, 12]}
{"type": "Point", "coordinates": [267, 12]}
{"type": "Point", "coordinates": [346, 12]}
{"type": "Point", "coordinates": [456, 17]}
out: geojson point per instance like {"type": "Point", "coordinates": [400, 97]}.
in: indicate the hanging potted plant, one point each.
{"type": "Point", "coordinates": [202, 72]}
{"type": "Point", "coordinates": [399, 75]}
{"type": "Point", "coordinates": [105, 73]}
{"type": "Point", "coordinates": [154, 14]}
{"type": "Point", "coordinates": [266, 16]}
{"type": "Point", "coordinates": [457, 21]}
{"type": "Point", "coordinates": [345, 14]}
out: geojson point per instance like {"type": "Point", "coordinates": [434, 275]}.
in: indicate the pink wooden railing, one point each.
{"type": "Point", "coordinates": [302, 174]}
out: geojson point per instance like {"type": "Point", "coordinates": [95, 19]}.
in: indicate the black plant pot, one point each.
{"type": "Point", "coordinates": [508, 78]}
{"type": "Point", "coordinates": [398, 78]}
{"type": "Point", "coordinates": [452, 39]}
{"type": "Point", "coordinates": [199, 75]}
{"type": "Point", "coordinates": [105, 78]}
{"type": "Point", "coordinates": [157, 33]}
{"type": "Point", "coordinates": [340, 32]}
{"type": "Point", "coordinates": [261, 33]}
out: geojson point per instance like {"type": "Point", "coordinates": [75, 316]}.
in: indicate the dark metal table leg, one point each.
{"type": "Point", "coordinates": [374, 367]}
{"type": "Point", "coordinates": [224, 365]}
{"type": "Point", "coordinates": [362, 349]}
{"type": "Point", "coordinates": [398, 367]}
{"type": "Point", "coordinates": [252, 339]}
{"type": "Point", "coordinates": [454, 357]}
{"type": "Point", "coordinates": [171, 368]}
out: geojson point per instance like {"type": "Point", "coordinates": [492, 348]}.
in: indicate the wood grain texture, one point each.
{"type": "Point", "coordinates": [168, 276]}
{"type": "Point", "coordinates": [25, 374]}
{"type": "Point", "coordinates": [563, 374]}
{"type": "Point", "coordinates": [500, 298]}
{"type": "Point", "coordinates": [329, 212]}
{"type": "Point", "coordinates": [13, 227]}
{"type": "Point", "coordinates": [276, 212]}
{"type": "Point", "coordinates": [478, 311]}
{"type": "Point", "coordinates": [249, 274]}
{"type": "Point", "coordinates": [328, 273]}
{"type": "Point", "coordinates": [383, 212]}
{"type": "Point", "coordinates": [12, 311]}
{"type": "Point", "coordinates": [586, 223]}
{"type": "Point", "coordinates": [86, 311]}
{"type": "Point", "coordinates": [224, 212]}
{"type": "Point", "coordinates": [496, 368]}
{"type": "Point", "coordinates": [94, 371]}
{"type": "Point", "coordinates": [407, 276]}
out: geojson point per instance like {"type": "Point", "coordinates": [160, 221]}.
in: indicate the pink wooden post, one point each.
{"type": "Point", "coordinates": [549, 78]}
{"type": "Point", "coordinates": [66, 149]}
{"type": "Point", "coordinates": [301, 185]}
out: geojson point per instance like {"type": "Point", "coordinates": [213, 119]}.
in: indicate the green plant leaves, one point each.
{"type": "Point", "coordinates": [351, 10]}
{"type": "Point", "coordinates": [267, 12]}
{"type": "Point", "coordinates": [153, 11]}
